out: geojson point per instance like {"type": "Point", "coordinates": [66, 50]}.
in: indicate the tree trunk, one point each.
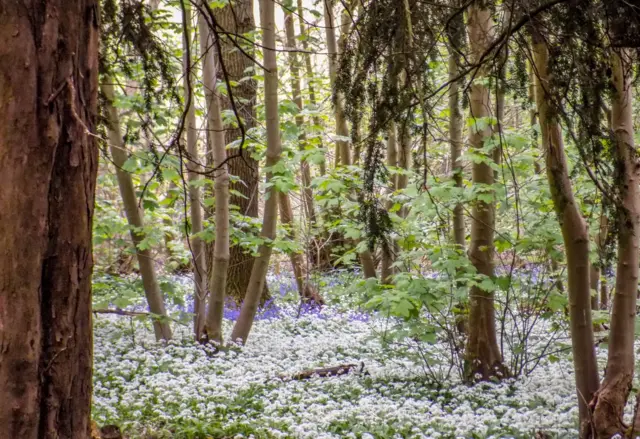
{"type": "Point", "coordinates": [134, 217]}
{"type": "Point", "coordinates": [574, 233]}
{"type": "Point", "coordinates": [217, 279]}
{"type": "Point", "coordinates": [614, 391]}
{"type": "Point", "coordinates": [261, 264]}
{"type": "Point", "coordinates": [194, 169]}
{"type": "Point", "coordinates": [296, 89]}
{"type": "Point", "coordinates": [237, 20]}
{"type": "Point", "coordinates": [48, 166]}
{"type": "Point", "coordinates": [305, 289]}
{"type": "Point", "coordinates": [386, 269]}
{"type": "Point", "coordinates": [596, 267]}
{"type": "Point", "coordinates": [304, 34]}
{"type": "Point", "coordinates": [456, 122]}
{"type": "Point", "coordinates": [533, 116]}
{"type": "Point", "coordinates": [483, 357]}
{"type": "Point", "coordinates": [343, 155]}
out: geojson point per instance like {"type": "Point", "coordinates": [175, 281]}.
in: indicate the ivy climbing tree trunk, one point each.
{"type": "Point", "coordinates": [257, 279]}
{"type": "Point", "coordinates": [574, 234]}
{"type": "Point", "coordinates": [612, 396]}
{"type": "Point", "coordinates": [217, 278]}
{"type": "Point", "coordinates": [48, 166]}
{"type": "Point", "coordinates": [237, 21]}
{"type": "Point", "coordinates": [343, 154]}
{"type": "Point", "coordinates": [483, 359]}
{"type": "Point", "coordinates": [135, 217]}
{"type": "Point", "coordinates": [194, 169]}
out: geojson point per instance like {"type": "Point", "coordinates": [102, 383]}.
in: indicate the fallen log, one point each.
{"type": "Point", "coordinates": [324, 372]}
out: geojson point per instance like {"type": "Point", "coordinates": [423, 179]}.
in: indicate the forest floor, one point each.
{"type": "Point", "coordinates": [182, 390]}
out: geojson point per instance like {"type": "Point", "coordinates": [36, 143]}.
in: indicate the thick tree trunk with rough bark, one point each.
{"type": "Point", "coordinates": [574, 233]}
{"type": "Point", "coordinates": [135, 217]}
{"type": "Point", "coordinates": [48, 165]}
{"type": "Point", "coordinates": [238, 20]}
{"type": "Point", "coordinates": [194, 169]}
{"type": "Point", "coordinates": [218, 274]}
{"type": "Point", "coordinates": [257, 279]}
{"type": "Point", "coordinates": [483, 357]}
{"type": "Point", "coordinates": [612, 396]}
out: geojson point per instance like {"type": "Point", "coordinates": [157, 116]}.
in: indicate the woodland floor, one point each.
{"type": "Point", "coordinates": [182, 390]}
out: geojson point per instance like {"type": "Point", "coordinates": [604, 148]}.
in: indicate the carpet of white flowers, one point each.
{"type": "Point", "coordinates": [184, 390]}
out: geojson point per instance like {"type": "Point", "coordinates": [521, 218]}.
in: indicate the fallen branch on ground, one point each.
{"type": "Point", "coordinates": [323, 372]}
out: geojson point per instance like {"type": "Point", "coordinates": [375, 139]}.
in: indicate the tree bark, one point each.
{"type": "Point", "coordinates": [48, 166]}
{"type": "Point", "coordinates": [134, 215]}
{"type": "Point", "coordinates": [343, 155]}
{"type": "Point", "coordinates": [614, 391]}
{"type": "Point", "coordinates": [483, 359]}
{"type": "Point", "coordinates": [574, 233]}
{"type": "Point", "coordinates": [217, 279]}
{"type": "Point", "coordinates": [456, 121]}
{"type": "Point", "coordinates": [596, 267]}
{"type": "Point", "coordinates": [386, 269]}
{"type": "Point", "coordinates": [237, 20]}
{"type": "Point", "coordinates": [261, 264]}
{"type": "Point", "coordinates": [304, 34]}
{"type": "Point", "coordinates": [305, 289]}
{"type": "Point", "coordinates": [296, 89]}
{"type": "Point", "coordinates": [194, 169]}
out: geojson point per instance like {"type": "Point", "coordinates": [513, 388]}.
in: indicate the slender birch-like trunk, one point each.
{"type": "Point", "coordinates": [304, 34]}
{"type": "Point", "coordinates": [217, 279]}
{"type": "Point", "coordinates": [386, 269]}
{"type": "Point", "coordinates": [194, 169]}
{"type": "Point", "coordinates": [612, 396]}
{"type": "Point", "coordinates": [456, 122]}
{"type": "Point", "coordinates": [237, 20]}
{"type": "Point", "coordinates": [343, 155]}
{"type": "Point", "coordinates": [261, 264]}
{"type": "Point", "coordinates": [296, 89]}
{"type": "Point", "coordinates": [135, 217]}
{"type": "Point", "coordinates": [305, 289]}
{"type": "Point", "coordinates": [596, 267]}
{"type": "Point", "coordinates": [574, 233]}
{"type": "Point", "coordinates": [483, 359]}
